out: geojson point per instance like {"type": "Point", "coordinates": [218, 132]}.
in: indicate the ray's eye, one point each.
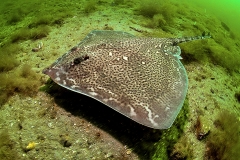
{"type": "Point", "coordinates": [77, 60]}
{"type": "Point", "coordinates": [85, 57]}
{"type": "Point", "coordinates": [80, 59]}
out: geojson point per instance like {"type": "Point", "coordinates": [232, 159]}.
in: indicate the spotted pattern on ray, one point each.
{"type": "Point", "coordinates": [142, 78]}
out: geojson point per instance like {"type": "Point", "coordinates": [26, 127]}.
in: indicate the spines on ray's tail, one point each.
{"type": "Point", "coordinates": [186, 39]}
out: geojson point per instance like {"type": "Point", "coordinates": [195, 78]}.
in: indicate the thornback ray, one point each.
{"type": "Point", "coordinates": [140, 77]}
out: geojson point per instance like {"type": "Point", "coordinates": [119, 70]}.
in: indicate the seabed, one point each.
{"type": "Point", "coordinates": [41, 120]}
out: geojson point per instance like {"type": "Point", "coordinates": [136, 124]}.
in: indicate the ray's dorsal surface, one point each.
{"type": "Point", "coordinates": [141, 78]}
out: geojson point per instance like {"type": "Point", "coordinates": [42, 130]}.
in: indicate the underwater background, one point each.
{"type": "Point", "coordinates": [41, 120]}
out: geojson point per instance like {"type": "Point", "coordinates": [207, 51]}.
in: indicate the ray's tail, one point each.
{"type": "Point", "coordinates": [186, 39]}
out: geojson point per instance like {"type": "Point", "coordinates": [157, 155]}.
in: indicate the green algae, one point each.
{"type": "Point", "coordinates": [164, 147]}
{"type": "Point", "coordinates": [7, 147]}
{"type": "Point", "coordinates": [7, 57]}
{"type": "Point", "coordinates": [118, 2]}
{"type": "Point", "coordinates": [14, 18]}
{"type": "Point", "coordinates": [157, 21]}
{"type": "Point", "coordinates": [225, 58]}
{"type": "Point", "coordinates": [183, 149]}
{"type": "Point", "coordinates": [224, 140]}
{"type": "Point", "coordinates": [193, 53]}
{"type": "Point", "coordinates": [50, 19]}
{"type": "Point", "coordinates": [30, 34]}
{"type": "Point", "coordinates": [21, 21]}
{"type": "Point", "coordinates": [90, 6]}
{"type": "Point", "coordinates": [15, 78]}
{"type": "Point", "coordinates": [237, 96]}
{"type": "Point", "coordinates": [148, 8]}
{"type": "Point", "coordinates": [171, 17]}
{"type": "Point", "coordinates": [22, 80]}
{"type": "Point", "coordinates": [156, 14]}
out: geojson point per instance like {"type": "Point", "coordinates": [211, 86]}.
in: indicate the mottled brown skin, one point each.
{"type": "Point", "coordinates": [142, 78]}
